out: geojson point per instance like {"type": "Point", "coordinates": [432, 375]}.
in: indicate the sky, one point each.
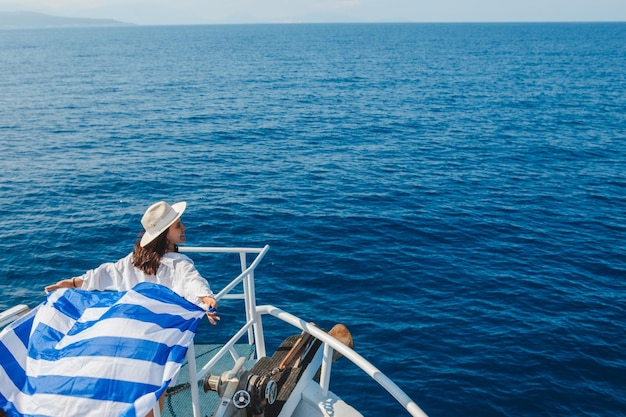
{"type": "Point", "coordinates": [181, 12]}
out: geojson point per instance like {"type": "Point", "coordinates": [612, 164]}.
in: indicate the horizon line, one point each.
{"type": "Point", "coordinates": [313, 21]}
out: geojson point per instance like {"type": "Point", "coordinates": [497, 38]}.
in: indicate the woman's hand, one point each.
{"type": "Point", "coordinates": [65, 283]}
{"type": "Point", "coordinates": [211, 313]}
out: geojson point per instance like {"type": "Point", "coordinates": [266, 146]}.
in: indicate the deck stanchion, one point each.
{"type": "Point", "coordinates": [327, 362]}
{"type": "Point", "coordinates": [193, 381]}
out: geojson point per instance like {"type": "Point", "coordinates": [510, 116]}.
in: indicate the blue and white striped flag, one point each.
{"type": "Point", "coordinates": [91, 353]}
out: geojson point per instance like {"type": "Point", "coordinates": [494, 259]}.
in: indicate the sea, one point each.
{"type": "Point", "coordinates": [453, 193]}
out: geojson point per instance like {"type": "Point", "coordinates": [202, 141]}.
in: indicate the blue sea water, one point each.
{"type": "Point", "coordinates": [453, 193]}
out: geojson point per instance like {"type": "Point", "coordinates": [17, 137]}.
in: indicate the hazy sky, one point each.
{"type": "Point", "coordinates": [158, 12]}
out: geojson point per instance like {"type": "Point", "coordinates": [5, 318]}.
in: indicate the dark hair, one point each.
{"type": "Point", "coordinates": [148, 258]}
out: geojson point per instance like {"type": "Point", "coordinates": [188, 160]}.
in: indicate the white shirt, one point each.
{"type": "Point", "coordinates": [176, 271]}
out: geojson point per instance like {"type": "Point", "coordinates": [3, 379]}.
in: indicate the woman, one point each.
{"type": "Point", "coordinates": [154, 259]}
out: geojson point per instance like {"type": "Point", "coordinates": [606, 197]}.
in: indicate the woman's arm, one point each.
{"type": "Point", "coordinates": [75, 282]}
{"type": "Point", "coordinates": [192, 286]}
{"type": "Point", "coordinates": [118, 276]}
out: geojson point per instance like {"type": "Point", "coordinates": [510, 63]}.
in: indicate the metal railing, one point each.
{"type": "Point", "coordinates": [253, 323]}
{"type": "Point", "coordinates": [330, 344]}
{"type": "Point", "coordinates": [12, 314]}
{"type": "Point", "coordinates": [253, 327]}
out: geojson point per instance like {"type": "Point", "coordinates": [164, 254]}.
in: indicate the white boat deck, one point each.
{"type": "Point", "coordinates": [310, 397]}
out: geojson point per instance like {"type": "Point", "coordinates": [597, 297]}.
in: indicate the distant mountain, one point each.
{"type": "Point", "coordinates": [17, 20]}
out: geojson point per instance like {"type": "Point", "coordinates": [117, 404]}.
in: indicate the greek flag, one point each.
{"type": "Point", "coordinates": [91, 353]}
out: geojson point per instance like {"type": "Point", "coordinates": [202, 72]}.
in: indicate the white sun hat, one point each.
{"type": "Point", "coordinates": [158, 218]}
